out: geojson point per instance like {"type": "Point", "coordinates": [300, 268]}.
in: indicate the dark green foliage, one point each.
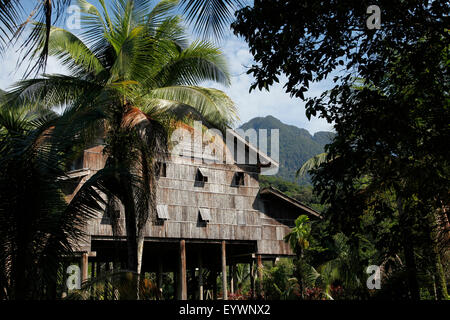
{"type": "Point", "coordinates": [304, 194]}
{"type": "Point", "coordinates": [37, 226]}
{"type": "Point", "coordinates": [296, 145]}
{"type": "Point", "coordinates": [279, 282]}
{"type": "Point", "coordinates": [390, 106]}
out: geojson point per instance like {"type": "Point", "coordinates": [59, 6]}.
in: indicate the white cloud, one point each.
{"type": "Point", "coordinates": [12, 72]}
{"type": "Point", "coordinates": [262, 103]}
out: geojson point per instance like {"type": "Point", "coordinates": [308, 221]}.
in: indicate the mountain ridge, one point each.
{"type": "Point", "coordinates": [297, 145]}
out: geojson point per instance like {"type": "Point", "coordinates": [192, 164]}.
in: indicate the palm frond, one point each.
{"type": "Point", "coordinates": [72, 52]}
{"type": "Point", "coordinates": [210, 17]}
{"type": "Point", "coordinates": [201, 61]}
{"type": "Point", "coordinates": [10, 11]}
{"type": "Point", "coordinates": [47, 13]}
{"type": "Point", "coordinates": [50, 91]}
{"type": "Point", "coordinates": [214, 105]}
{"type": "Point", "coordinates": [169, 29]}
{"type": "Point", "coordinates": [96, 27]}
{"type": "Point", "coordinates": [312, 163]}
{"type": "Point", "coordinates": [161, 11]}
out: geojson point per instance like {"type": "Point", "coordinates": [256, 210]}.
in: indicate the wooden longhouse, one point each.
{"type": "Point", "coordinates": [210, 215]}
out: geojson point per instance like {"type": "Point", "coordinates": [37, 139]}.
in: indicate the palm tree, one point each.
{"type": "Point", "coordinates": [299, 239]}
{"type": "Point", "coordinates": [209, 17]}
{"type": "Point", "coordinates": [300, 235]}
{"type": "Point", "coordinates": [37, 226]}
{"type": "Point", "coordinates": [243, 272]}
{"type": "Point", "coordinates": [132, 76]}
{"type": "Point", "coordinates": [312, 163]}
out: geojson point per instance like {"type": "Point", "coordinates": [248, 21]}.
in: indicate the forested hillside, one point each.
{"type": "Point", "coordinates": [303, 193]}
{"type": "Point", "coordinates": [297, 145]}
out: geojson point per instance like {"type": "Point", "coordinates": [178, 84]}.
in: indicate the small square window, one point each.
{"type": "Point", "coordinates": [106, 218]}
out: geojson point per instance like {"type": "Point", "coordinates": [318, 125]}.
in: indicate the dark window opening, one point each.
{"type": "Point", "coordinates": [201, 176]}
{"type": "Point", "coordinates": [69, 186]}
{"type": "Point", "coordinates": [247, 154]}
{"type": "Point", "coordinates": [161, 169]}
{"type": "Point", "coordinates": [106, 218]}
{"type": "Point", "coordinates": [77, 164]}
{"type": "Point", "coordinates": [239, 179]}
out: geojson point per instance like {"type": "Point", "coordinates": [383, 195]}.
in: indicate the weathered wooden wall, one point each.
{"type": "Point", "coordinates": [237, 212]}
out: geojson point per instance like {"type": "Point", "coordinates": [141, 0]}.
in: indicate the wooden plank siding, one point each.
{"type": "Point", "coordinates": [237, 212]}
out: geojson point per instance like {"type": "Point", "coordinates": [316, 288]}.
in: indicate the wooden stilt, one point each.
{"type": "Point", "coordinates": [176, 285]}
{"type": "Point", "coordinates": [107, 283]}
{"type": "Point", "coordinates": [160, 276]}
{"type": "Point", "coordinates": [65, 276]}
{"type": "Point", "coordinates": [84, 267]}
{"type": "Point", "coordinates": [97, 267]}
{"type": "Point", "coordinates": [115, 266]}
{"type": "Point", "coordinates": [252, 277]}
{"type": "Point", "coordinates": [93, 270]}
{"type": "Point", "coordinates": [97, 275]}
{"type": "Point", "coordinates": [200, 276]}
{"type": "Point", "coordinates": [260, 275]}
{"type": "Point", "coordinates": [224, 272]}
{"type": "Point", "coordinates": [92, 276]}
{"type": "Point", "coordinates": [183, 279]}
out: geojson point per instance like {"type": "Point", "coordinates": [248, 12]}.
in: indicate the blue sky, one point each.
{"type": "Point", "coordinates": [276, 102]}
{"type": "Point", "coordinates": [250, 105]}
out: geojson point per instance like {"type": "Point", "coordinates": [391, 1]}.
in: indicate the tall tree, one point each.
{"type": "Point", "coordinates": [394, 128]}
{"type": "Point", "coordinates": [299, 239]}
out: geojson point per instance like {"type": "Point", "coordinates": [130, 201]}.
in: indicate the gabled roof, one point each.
{"type": "Point", "coordinates": [265, 161]}
{"type": "Point", "coordinates": [261, 154]}
{"type": "Point", "coordinates": [277, 193]}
